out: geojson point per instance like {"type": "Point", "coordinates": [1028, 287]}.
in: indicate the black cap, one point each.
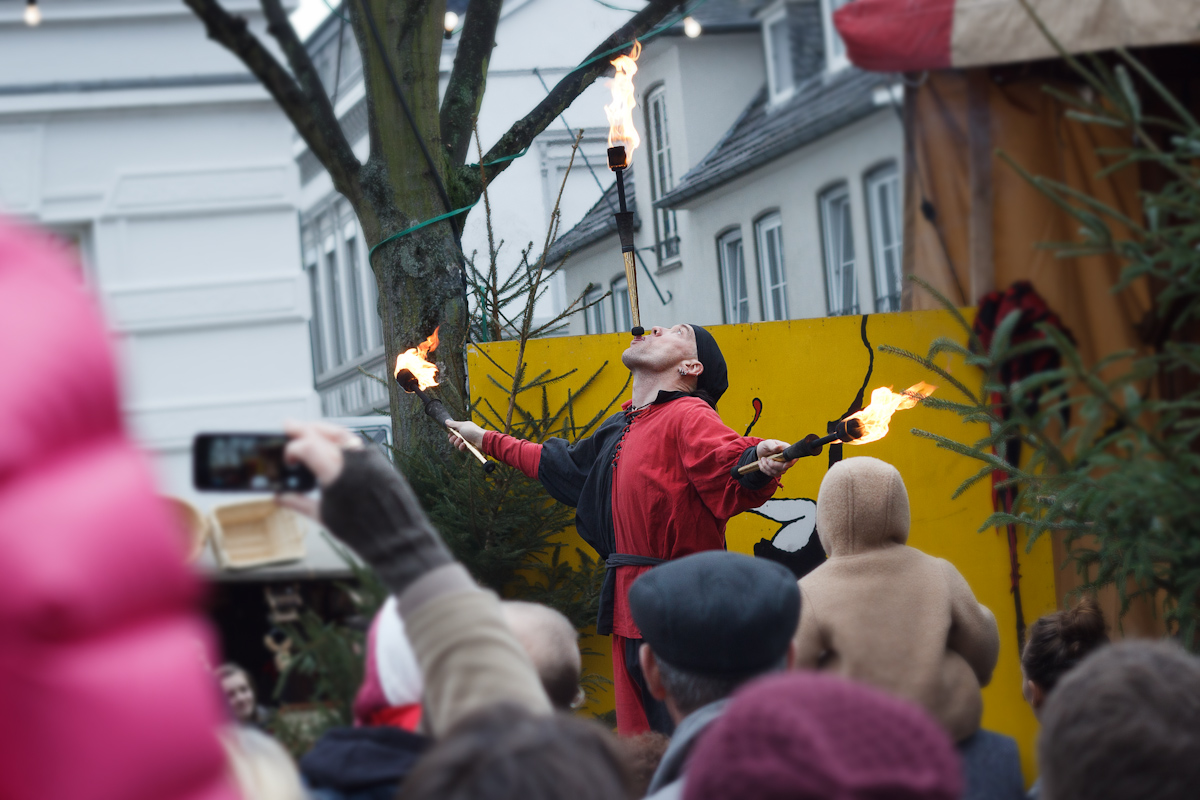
{"type": "Point", "coordinates": [715, 378]}
{"type": "Point", "coordinates": [717, 613]}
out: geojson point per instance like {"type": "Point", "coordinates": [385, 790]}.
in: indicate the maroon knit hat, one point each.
{"type": "Point", "coordinates": [805, 735]}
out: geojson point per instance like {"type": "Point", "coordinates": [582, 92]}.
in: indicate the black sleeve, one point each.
{"type": "Point", "coordinates": [753, 481]}
{"type": "Point", "coordinates": [564, 467]}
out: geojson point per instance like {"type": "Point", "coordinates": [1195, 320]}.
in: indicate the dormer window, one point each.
{"type": "Point", "coordinates": [780, 78]}
{"type": "Point", "coordinates": [835, 48]}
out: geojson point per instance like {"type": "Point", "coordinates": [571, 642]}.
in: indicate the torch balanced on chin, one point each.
{"type": "Point", "coordinates": [623, 139]}
{"type": "Point", "coordinates": [414, 373]}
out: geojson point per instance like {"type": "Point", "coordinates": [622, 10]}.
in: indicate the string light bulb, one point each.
{"type": "Point", "coordinates": [451, 23]}
{"type": "Point", "coordinates": [691, 28]}
{"type": "Point", "coordinates": [33, 14]}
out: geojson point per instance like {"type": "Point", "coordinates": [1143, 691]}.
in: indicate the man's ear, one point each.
{"type": "Point", "coordinates": [692, 368]}
{"type": "Point", "coordinates": [1034, 695]}
{"type": "Point", "coordinates": [650, 672]}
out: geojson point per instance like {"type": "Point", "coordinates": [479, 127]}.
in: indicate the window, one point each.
{"type": "Point", "coordinates": [883, 215]}
{"type": "Point", "coordinates": [838, 234]}
{"type": "Point", "coordinates": [357, 315]}
{"type": "Point", "coordinates": [593, 316]}
{"type": "Point", "coordinates": [622, 313]}
{"type": "Point", "coordinates": [733, 277]}
{"type": "Point", "coordinates": [835, 48]}
{"type": "Point", "coordinates": [375, 327]}
{"type": "Point", "coordinates": [345, 323]}
{"type": "Point", "coordinates": [666, 230]}
{"type": "Point", "coordinates": [314, 325]}
{"type": "Point", "coordinates": [771, 277]}
{"type": "Point", "coordinates": [333, 292]}
{"type": "Point", "coordinates": [780, 78]}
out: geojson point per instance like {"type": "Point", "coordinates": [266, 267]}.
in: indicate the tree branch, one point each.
{"type": "Point", "coordinates": [523, 132]}
{"type": "Point", "coordinates": [312, 115]}
{"type": "Point", "coordinates": [464, 92]}
{"type": "Point", "coordinates": [334, 142]}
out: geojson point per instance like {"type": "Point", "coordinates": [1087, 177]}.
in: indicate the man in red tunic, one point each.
{"type": "Point", "coordinates": [654, 483]}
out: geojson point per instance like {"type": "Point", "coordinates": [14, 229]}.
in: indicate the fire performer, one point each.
{"type": "Point", "coordinates": [654, 483]}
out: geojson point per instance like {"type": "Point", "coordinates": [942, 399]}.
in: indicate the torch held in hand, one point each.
{"type": "Point", "coordinates": [437, 410]}
{"type": "Point", "coordinates": [846, 431]}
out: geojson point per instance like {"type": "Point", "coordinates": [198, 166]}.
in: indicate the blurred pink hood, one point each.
{"type": "Point", "coordinates": [104, 692]}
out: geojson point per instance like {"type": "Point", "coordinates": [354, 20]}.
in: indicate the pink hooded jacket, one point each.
{"type": "Point", "coordinates": [103, 689]}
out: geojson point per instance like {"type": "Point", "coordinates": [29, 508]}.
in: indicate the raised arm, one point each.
{"type": "Point", "coordinates": [562, 467]}
{"type": "Point", "coordinates": [468, 656]}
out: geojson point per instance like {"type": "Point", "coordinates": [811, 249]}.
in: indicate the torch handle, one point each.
{"type": "Point", "coordinates": [435, 409]}
{"type": "Point", "coordinates": [631, 281]}
{"type": "Point", "coordinates": [811, 445]}
{"type": "Point", "coordinates": [487, 465]}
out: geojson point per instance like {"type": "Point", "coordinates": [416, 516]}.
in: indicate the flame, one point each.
{"type": "Point", "coordinates": [620, 110]}
{"type": "Point", "coordinates": [884, 403]}
{"type": "Point", "coordinates": [413, 360]}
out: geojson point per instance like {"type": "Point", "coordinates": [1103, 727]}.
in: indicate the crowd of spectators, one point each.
{"type": "Point", "coordinates": [861, 681]}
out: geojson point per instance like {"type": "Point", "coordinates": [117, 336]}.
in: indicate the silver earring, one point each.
{"type": "Point", "coordinates": [682, 371]}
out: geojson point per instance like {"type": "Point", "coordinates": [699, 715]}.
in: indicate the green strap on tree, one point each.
{"type": "Point", "coordinates": [417, 227]}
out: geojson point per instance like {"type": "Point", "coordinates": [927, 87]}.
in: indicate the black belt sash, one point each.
{"type": "Point", "coordinates": [609, 590]}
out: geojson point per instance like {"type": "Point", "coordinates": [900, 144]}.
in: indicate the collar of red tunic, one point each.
{"type": "Point", "coordinates": [663, 397]}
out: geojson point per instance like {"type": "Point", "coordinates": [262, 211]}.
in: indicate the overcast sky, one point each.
{"type": "Point", "coordinates": [308, 15]}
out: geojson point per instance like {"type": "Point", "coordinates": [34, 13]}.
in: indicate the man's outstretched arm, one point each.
{"type": "Point", "coordinates": [468, 656]}
{"type": "Point", "coordinates": [525, 456]}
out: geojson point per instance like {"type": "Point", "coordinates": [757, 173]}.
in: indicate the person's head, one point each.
{"type": "Point", "coordinates": [552, 644]}
{"type": "Point", "coordinates": [504, 752]}
{"type": "Point", "coordinates": [239, 692]}
{"type": "Point", "coordinates": [1124, 723]}
{"type": "Point", "coordinates": [1055, 644]}
{"type": "Point", "coordinates": [807, 735]}
{"type": "Point", "coordinates": [862, 505]}
{"type": "Point", "coordinates": [261, 767]}
{"type": "Point", "coordinates": [685, 357]}
{"type": "Point", "coordinates": [711, 622]}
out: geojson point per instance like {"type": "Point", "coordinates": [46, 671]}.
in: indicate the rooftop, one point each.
{"type": "Point", "coordinates": [597, 223]}
{"type": "Point", "coordinates": [821, 104]}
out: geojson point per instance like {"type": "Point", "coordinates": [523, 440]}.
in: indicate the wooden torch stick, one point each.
{"type": "Point", "coordinates": [631, 281]}
{"type": "Point", "coordinates": [482, 458]}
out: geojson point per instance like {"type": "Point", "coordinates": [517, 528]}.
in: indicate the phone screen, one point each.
{"type": "Point", "coordinates": [251, 462]}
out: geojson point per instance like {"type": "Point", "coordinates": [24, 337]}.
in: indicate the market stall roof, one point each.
{"type": "Point", "coordinates": [911, 35]}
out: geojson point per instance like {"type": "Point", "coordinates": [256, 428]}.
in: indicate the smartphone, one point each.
{"type": "Point", "coordinates": [246, 462]}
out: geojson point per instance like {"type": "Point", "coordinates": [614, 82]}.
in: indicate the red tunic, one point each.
{"type": "Point", "coordinates": [672, 492]}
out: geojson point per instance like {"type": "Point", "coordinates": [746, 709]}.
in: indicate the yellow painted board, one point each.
{"type": "Point", "coordinates": [807, 373]}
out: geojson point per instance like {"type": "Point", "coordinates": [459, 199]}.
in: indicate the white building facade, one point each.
{"type": "Point", "coordinates": [537, 43]}
{"type": "Point", "coordinates": [129, 133]}
{"type": "Point", "coordinates": [782, 185]}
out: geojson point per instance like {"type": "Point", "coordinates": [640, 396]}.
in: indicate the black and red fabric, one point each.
{"type": "Point", "coordinates": [995, 307]}
{"type": "Point", "coordinates": [1035, 314]}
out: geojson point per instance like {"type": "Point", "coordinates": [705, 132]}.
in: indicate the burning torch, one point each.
{"type": "Point", "coordinates": [415, 374]}
{"type": "Point", "coordinates": [623, 139]}
{"type": "Point", "coordinates": [861, 427]}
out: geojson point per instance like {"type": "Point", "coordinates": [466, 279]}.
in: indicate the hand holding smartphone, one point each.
{"type": "Point", "coordinates": [246, 462]}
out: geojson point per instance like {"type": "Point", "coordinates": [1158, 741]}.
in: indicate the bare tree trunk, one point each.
{"type": "Point", "coordinates": [410, 176]}
{"type": "Point", "coordinates": [420, 276]}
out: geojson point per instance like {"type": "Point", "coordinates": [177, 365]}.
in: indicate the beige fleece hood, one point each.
{"type": "Point", "coordinates": [862, 505]}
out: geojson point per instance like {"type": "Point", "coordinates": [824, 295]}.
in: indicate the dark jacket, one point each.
{"type": "Point", "coordinates": [354, 762]}
{"type": "Point", "coordinates": [668, 778]}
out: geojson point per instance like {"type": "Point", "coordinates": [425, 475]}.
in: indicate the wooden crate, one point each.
{"type": "Point", "coordinates": [257, 533]}
{"type": "Point", "coordinates": [195, 526]}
